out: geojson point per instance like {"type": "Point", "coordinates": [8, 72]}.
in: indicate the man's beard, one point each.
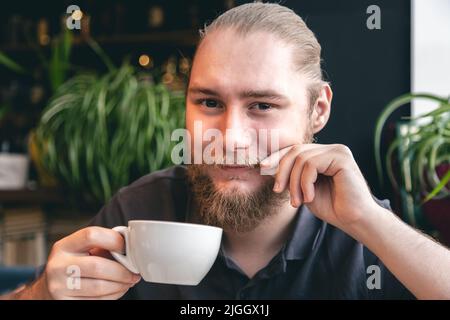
{"type": "Point", "coordinates": [232, 210]}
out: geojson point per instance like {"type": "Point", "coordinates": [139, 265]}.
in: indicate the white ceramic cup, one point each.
{"type": "Point", "coordinates": [169, 252]}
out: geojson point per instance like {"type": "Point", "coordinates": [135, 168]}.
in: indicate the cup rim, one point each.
{"type": "Point", "coordinates": [197, 225]}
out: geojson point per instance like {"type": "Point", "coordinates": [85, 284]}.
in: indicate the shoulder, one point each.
{"type": "Point", "coordinates": [355, 263]}
{"type": "Point", "coordinates": [161, 195]}
{"type": "Point", "coordinates": [159, 181]}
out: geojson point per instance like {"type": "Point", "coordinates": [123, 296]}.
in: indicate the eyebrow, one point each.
{"type": "Point", "coordinates": [267, 94]}
{"type": "Point", "coordinates": [205, 91]}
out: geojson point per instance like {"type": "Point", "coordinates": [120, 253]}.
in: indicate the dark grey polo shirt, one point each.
{"type": "Point", "coordinates": [318, 262]}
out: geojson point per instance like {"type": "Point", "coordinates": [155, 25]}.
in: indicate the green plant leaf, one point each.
{"type": "Point", "coordinates": [105, 131]}
{"type": "Point", "coordinates": [387, 111]}
{"type": "Point", "coordinates": [11, 64]}
{"type": "Point", "coordinates": [99, 51]}
{"type": "Point", "coordinates": [439, 187]}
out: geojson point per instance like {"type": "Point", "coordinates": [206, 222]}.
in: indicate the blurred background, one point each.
{"type": "Point", "coordinates": [90, 93]}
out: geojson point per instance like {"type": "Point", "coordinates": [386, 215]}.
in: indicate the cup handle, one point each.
{"type": "Point", "coordinates": [124, 259]}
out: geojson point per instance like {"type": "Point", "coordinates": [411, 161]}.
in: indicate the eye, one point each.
{"type": "Point", "coordinates": [209, 103]}
{"type": "Point", "coordinates": [261, 106]}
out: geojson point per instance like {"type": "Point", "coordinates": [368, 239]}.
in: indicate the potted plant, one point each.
{"type": "Point", "coordinates": [99, 133]}
{"type": "Point", "coordinates": [421, 153]}
{"type": "Point", "coordinates": [14, 166]}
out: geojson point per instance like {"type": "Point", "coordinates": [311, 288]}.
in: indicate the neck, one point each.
{"type": "Point", "coordinates": [254, 249]}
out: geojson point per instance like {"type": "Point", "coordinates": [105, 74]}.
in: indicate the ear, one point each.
{"type": "Point", "coordinates": [322, 107]}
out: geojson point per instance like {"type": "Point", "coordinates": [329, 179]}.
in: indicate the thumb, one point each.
{"type": "Point", "coordinates": [99, 252]}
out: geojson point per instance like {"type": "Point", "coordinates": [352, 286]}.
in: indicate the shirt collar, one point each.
{"type": "Point", "coordinates": [298, 246]}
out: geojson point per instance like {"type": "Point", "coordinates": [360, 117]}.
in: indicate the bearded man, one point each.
{"type": "Point", "coordinates": [311, 230]}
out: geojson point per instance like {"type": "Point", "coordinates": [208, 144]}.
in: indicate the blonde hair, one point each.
{"type": "Point", "coordinates": [284, 23]}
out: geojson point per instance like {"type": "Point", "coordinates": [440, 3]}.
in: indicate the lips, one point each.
{"type": "Point", "coordinates": [235, 169]}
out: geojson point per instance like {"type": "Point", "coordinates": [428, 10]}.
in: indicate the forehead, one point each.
{"type": "Point", "coordinates": [227, 60]}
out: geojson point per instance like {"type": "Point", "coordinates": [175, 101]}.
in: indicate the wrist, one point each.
{"type": "Point", "coordinates": [40, 288]}
{"type": "Point", "coordinates": [369, 227]}
{"type": "Point", "coordinates": [37, 290]}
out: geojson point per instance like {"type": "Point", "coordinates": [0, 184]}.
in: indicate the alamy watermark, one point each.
{"type": "Point", "coordinates": [374, 279]}
{"type": "Point", "coordinates": [373, 22]}
{"type": "Point", "coordinates": [73, 281]}
{"type": "Point", "coordinates": [73, 21]}
{"type": "Point", "coordinates": [235, 147]}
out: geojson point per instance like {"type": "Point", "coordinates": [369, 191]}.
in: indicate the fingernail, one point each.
{"type": "Point", "coordinates": [276, 187]}
{"type": "Point", "coordinates": [295, 203]}
{"type": "Point", "coordinates": [264, 163]}
{"type": "Point", "coordinates": [136, 278]}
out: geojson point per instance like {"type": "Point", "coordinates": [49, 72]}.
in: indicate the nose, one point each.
{"type": "Point", "coordinates": [235, 130]}
{"type": "Point", "coordinates": [240, 139]}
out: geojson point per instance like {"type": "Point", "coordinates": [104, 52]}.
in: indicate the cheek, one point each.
{"type": "Point", "coordinates": [195, 118]}
{"type": "Point", "coordinates": [191, 116]}
{"type": "Point", "coordinates": [291, 136]}
{"type": "Point", "coordinates": [284, 131]}
{"type": "Point", "coordinates": [197, 124]}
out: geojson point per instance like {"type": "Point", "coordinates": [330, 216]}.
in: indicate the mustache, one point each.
{"type": "Point", "coordinates": [236, 159]}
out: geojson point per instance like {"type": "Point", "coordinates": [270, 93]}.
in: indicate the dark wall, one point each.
{"type": "Point", "coordinates": [366, 68]}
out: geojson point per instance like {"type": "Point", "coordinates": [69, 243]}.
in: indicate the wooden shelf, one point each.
{"type": "Point", "coordinates": [182, 38]}
{"type": "Point", "coordinates": [187, 38]}
{"type": "Point", "coordinates": [40, 196]}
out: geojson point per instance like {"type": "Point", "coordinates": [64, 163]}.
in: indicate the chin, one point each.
{"type": "Point", "coordinates": [235, 186]}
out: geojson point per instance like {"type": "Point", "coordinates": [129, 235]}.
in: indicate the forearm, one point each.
{"type": "Point", "coordinates": [36, 290]}
{"type": "Point", "coordinates": [420, 263]}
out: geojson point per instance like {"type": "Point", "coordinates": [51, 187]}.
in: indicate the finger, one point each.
{"type": "Point", "coordinates": [105, 269]}
{"type": "Point", "coordinates": [114, 296]}
{"type": "Point", "coordinates": [296, 192]}
{"type": "Point", "coordinates": [273, 160]}
{"type": "Point", "coordinates": [308, 179]}
{"type": "Point", "coordinates": [97, 288]}
{"type": "Point", "coordinates": [270, 165]}
{"type": "Point", "coordinates": [284, 170]}
{"type": "Point", "coordinates": [98, 252]}
{"type": "Point", "coordinates": [287, 162]}
{"type": "Point", "coordinates": [92, 237]}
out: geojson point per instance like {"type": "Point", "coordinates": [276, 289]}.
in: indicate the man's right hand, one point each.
{"type": "Point", "coordinates": [85, 251]}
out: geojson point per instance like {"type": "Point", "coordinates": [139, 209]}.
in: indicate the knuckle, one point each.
{"type": "Point", "coordinates": [299, 158]}
{"type": "Point", "coordinates": [57, 246]}
{"type": "Point", "coordinates": [296, 148]}
{"type": "Point", "coordinates": [343, 149]}
{"type": "Point", "coordinates": [52, 269]}
{"type": "Point", "coordinates": [307, 165]}
{"type": "Point", "coordinates": [90, 234]}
